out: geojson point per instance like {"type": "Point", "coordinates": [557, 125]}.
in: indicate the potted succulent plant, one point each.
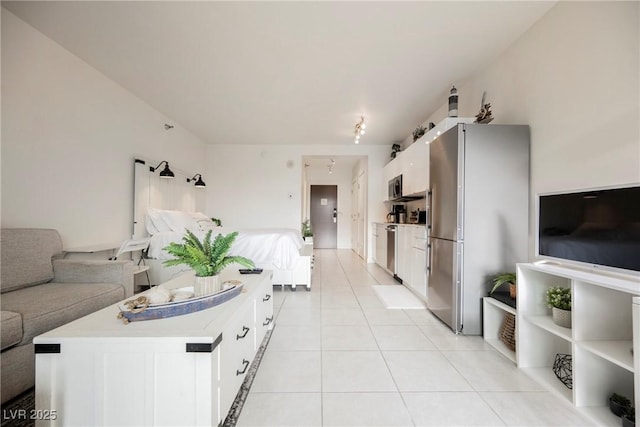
{"type": "Point", "coordinates": [502, 279]}
{"type": "Point", "coordinates": [619, 404]}
{"type": "Point", "coordinates": [207, 258]}
{"type": "Point", "coordinates": [559, 300]}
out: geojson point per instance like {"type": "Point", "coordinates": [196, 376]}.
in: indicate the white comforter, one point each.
{"type": "Point", "coordinates": [281, 247]}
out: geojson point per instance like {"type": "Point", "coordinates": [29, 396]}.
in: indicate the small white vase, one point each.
{"type": "Point", "coordinates": [561, 317]}
{"type": "Point", "coordinates": [206, 285]}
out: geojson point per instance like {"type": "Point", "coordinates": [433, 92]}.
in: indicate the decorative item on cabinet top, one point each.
{"type": "Point", "coordinates": [179, 302]}
{"type": "Point", "coordinates": [395, 149]}
{"type": "Point", "coordinates": [484, 116]}
{"type": "Point", "coordinates": [418, 132]}
{"type": "Point", "coordinates": [207, 257]}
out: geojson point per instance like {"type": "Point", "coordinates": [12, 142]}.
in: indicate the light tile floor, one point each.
{"type": "Point", "coordinates": [337, 357]}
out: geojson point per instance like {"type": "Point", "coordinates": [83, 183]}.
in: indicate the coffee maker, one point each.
{"type": "Point", "coordinates": [397, 215]}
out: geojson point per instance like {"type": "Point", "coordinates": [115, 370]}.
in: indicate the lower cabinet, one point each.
{"type": "Point", "coordinates": [403, 253]}
{"type": "Point", "coordinates": [381, 245]}
{"type": "Point", "coordinates": [418, 263]}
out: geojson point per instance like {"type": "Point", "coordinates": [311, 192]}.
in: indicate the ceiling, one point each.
{"type": "Point", "coordinates": [287, 72]}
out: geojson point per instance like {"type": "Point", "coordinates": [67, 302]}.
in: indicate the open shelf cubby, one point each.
{"type": "Point", "coordinates": [600, 340]}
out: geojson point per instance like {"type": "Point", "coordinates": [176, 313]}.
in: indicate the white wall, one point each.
{"type": "Point", "coordinates": [69, 137]}
{"type": "Point", "coordinates": [574, 79]}
{"type": "Point", "coordinates": [250, 183]}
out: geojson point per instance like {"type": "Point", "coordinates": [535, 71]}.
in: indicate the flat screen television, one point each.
{"type": "Point", "coordinates": [597, 228]}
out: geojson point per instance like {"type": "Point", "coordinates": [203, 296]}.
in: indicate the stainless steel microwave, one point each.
{"type": "Point", "coordinates": [395, 188]}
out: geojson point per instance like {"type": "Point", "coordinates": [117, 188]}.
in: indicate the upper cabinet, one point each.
{"type": "Point", "coordinates": [413, 162]}
{"type": "Point", "coordinates": [415, 169]}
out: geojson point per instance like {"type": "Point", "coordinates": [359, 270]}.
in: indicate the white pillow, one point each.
{"type": "Point", "coordinates": [155, 215]}
{"type": "Point", "coordinates": [178, 220]}
{"type": "Point", "coordinates": [151, 228]}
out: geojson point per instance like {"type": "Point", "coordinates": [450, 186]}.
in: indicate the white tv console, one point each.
{"type": "Point", "coordinates": [605, 327]}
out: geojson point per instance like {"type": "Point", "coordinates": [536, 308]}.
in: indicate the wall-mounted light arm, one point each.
{"type": "Point", "coordinates": [166, 172]}
{"type": "Point", "coordinates": [199, 183]}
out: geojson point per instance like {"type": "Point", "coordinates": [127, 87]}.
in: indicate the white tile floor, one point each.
{"type": "Point", "coordinates": [337, 357]}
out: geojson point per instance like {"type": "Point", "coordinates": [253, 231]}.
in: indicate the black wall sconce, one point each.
{"type": "Point", "coordinates": [199, 183]}
{"type": "Point", "coordinates": [166, 172]}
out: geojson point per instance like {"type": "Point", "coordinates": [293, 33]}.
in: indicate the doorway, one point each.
{"type": "Point", "coordinates": [324, 216]}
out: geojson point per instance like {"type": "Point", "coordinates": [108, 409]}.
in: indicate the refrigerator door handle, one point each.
{"type": "Point", "coordinates": [428, 249]}
{"type": "Point", "coordinates": [429, 209]}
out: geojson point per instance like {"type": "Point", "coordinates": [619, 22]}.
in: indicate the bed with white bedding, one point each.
{"type": "Point", "coordinates": [279, 250]}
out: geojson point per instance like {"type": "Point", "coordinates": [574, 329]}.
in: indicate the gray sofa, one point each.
{"type": "Point", "coordinates": [41, 291]}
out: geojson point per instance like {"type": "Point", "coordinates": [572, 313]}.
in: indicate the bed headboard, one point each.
{"type": "Point", "coordinates": [149, 191]}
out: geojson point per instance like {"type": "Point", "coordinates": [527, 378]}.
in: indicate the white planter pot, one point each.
{"type": "Point", "coordinates": [206, 285]}
{"type": "Point", "coordinates": [561, 317]}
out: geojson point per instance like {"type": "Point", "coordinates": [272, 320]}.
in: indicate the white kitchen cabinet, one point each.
{"type": "Point", "coordinates": [381, 245]}
{"type": "Point", "coordinates": [418, 264]}
{"type": "Point", "coordinates": [403, 253]}
{"type": "Point", "coordinates": [599, 341]}
{"type": "Point", "coordinates": [184, 370]}
{"type": "Point", "coordinates": [415, 168]}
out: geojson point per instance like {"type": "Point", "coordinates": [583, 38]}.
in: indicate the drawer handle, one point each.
{"type": "Point", "coordinates": [245, 362]}
{"type": "Point", "coordinates": [245, 330]}
{"type": "Point", "coordinates": [266, 298]}
{"type": "Point", "coordinates": [268, 320]}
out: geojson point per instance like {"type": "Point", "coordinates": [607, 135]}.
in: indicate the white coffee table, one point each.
{"type": "Point", "coordinates": [184, 370]}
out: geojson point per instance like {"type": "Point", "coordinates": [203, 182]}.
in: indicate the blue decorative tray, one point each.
{"type": "Point", "coordinates": [139, 308]}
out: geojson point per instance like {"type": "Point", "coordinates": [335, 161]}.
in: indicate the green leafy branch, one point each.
{"type": "Point", "coordinates": [206, 258]}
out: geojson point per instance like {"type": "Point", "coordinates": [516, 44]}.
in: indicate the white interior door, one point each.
{"type": "Point", "coordinates": [360, 215]}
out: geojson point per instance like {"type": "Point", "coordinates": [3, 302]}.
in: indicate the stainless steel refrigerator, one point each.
{"type": "Point", "coordinates": [479, 210]}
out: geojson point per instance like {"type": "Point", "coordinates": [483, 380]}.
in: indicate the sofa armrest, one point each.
{"type": "Point", "coordinates": [91, 271]}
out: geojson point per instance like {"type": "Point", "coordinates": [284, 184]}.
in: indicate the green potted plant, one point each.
{"type": "Point", "coordinates": [504, 278]}
{"type": "Point", "coordinates": [307, 233]}
{"type": "Point", "coordinates": [559, 300]}
{"type": "Point", "coordinates": [207, 258]}
{"type": "Point", "coordinates": [619, 404]}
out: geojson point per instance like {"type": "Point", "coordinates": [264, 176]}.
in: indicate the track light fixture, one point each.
{"type": "Point", "coordinates": [166, 172]}
{"type": "Point", "coordinates": [359, 129]}
{"type": "Point", "coordinates": [199, 183]}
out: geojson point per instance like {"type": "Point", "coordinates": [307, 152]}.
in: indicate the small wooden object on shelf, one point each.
{"type": "Point", "coordinates": [508, 331]}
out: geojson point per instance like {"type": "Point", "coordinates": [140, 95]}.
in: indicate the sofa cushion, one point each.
{"type": "Point", "coordinates": [26, 256]}
{"type": "Point", "coordinates": [50, 305]}
{"type": "Point", "coordinates": [10, 328]}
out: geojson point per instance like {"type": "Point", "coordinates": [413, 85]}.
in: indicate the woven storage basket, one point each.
{"type": "Point", "coordinates": [507, 332]}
